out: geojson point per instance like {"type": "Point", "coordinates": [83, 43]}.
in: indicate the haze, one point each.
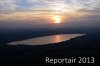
{"type": "Point", "coordinates": [39, 13]}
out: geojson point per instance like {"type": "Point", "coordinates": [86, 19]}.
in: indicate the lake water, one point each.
{"type": "Point", "coordinates": [46, 39]}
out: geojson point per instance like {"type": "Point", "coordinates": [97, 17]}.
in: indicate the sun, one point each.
{"type": "Point", "coordinates": [57, 19]}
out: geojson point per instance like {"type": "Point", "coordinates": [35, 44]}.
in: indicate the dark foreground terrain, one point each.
{"type": "Point", "coordinates": [85, 46]}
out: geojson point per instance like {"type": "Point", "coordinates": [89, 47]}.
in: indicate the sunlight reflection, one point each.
{"type": "Point", "coordinates": [57, 38]}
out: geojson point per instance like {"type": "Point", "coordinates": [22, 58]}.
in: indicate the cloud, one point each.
{"type": "Point", "coordinates": [27, 9]}
{"type": "Point", "coordinates": [22, 5]}
{"type": "Point", "coordinates": [89, 12]}
{"type": "Point", "coordinates": [7, 5]}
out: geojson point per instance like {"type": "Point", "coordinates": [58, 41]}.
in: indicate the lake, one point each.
{"type": "Point", "coordinates": [46, 39]}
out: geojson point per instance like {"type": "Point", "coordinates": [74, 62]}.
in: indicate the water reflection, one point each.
{"type": "Point", "coordinates": [46, 39]}
{"type": "Point", "coordinates": [58, 38]}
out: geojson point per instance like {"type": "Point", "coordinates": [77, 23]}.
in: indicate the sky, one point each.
{"type": "Point", "coordinates": [32, 13]}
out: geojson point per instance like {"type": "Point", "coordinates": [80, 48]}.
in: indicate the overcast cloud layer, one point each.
{"type": "Point", "coordinates": [12, 11]}
{"type": "Point", "coordinates": [13, 5]}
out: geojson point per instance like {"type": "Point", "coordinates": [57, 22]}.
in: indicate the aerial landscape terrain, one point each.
{"type": "Point", "coordinates": [84, 46]}
{"type": "Point", "coordinates": [49, 32]}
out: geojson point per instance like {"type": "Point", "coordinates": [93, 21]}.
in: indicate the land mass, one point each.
{"type": "Point", "coordinates": [84, 46]}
